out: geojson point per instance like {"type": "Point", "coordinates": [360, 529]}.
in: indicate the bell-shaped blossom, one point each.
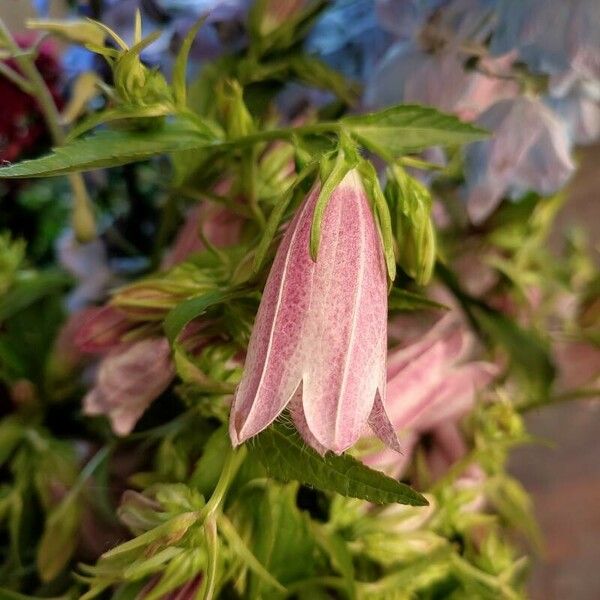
{"type": "Point", "coordinates": [128, 380]}
{"type": "Point", "coordinates": [529, 150]}
{"type": "Point", "coordinates": [429, 384]}
{"type": "Point", "coordinates": [319, 340]}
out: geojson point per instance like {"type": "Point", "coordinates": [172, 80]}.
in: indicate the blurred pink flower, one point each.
{"type": "Point", "coordinates": [319, 340]}
{"type": "Point", "coordinates": [430, 384]}
{"type": "Point", "coordinates": [129, 378]}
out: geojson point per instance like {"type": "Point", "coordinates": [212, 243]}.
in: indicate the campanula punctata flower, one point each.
{"type": "Point", "coordinates": [318, 346]}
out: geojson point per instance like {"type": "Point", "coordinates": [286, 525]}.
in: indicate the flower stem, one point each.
{"type": "Point", "coordinates": [232, 463]}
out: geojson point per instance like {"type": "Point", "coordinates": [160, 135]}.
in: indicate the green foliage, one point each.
{"type": "Point", "coordinates": [405, 129]}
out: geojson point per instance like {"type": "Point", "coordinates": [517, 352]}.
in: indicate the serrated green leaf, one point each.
{"type": "Point", "coordinates": [287, 458]}
{"type": "Point", "coordinates": [409, 128]}
{"type": "Point", "coordinates": [110, 149]}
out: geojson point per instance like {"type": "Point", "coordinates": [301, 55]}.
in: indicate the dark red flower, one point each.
{"type": "Point", "coordinates": [22, 124]}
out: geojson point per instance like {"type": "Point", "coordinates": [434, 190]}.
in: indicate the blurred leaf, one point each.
{"type": "Point", "coordinates": [208, 469]}
{"type": "Point", "coordinates": [282, 539]}
{"type": "Point", "coordinates": [409, 128]}
{"type": "Point", "coordinates": [404, 300]}
{"type": "Point", "coordinates": [30, 289]}
{"type": "Point", "coordinates": [59, 540]}
{"type": "Point", "coordinates": [287, 458]}
{"type": "Point", "coordinates": [338, 553]}
{"type": "Point", "coordinates": [185, 312]}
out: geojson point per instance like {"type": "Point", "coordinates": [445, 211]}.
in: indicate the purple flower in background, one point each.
{"type": "Point", "coordinates": [551, 36]}
{"type": "Point", "coordinates": [408, 74]}
{"type": "Point", "coordinates": [529, 150]}
{"type": "Point", "coordinates": [405, 18]}
{"type": "Point", "coordinates": [319, 340]}
{"type": "Point", "coordinates": [349, 38]}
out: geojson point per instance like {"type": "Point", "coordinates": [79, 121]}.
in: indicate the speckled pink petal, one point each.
{"type": "Point", "coordinates": [344, 344]}
{"type": "Point", "coordinates": [273, 368]}
{"type": "Point", "coordinates": [297, 413]}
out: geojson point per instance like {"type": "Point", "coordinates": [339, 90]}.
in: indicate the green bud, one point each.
{"type": "Point", "coordinates": [139, 512]}
{"type": "Point", "coordinates": [59, 540]}
{"type": "Point", "coordinates": [410, 203]}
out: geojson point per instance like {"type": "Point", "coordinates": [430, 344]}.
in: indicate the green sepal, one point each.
{"type": "Point", "coordinates": [179, 69]}
{"type": "Point", "coordinates": [332, 173]}
{"type": "Point", "coordinates": [382, 214]}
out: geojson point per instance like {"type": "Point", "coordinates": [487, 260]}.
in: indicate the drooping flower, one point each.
{"type": "Point", "coordinates": [529, 151]}
{"type": "Point", "coordinates": [430, 384]}
{"type": "Point", "coordinates": [128, 380]}
{"type": "Point", "coordinates": [319, 340]}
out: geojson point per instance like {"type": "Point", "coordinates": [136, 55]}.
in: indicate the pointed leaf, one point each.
{"type": "Point", "coordinates": [179, 70]}
{"type": "Point", "coordinates": [287, 458]}
{"type": "Point", "coordinates": [409, 128]}
{"type": "Point", "coordinates": [109, 149]}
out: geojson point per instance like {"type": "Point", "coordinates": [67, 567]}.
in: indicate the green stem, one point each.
{"type": "Point", "coordinates": [83, 221]}
{"type": "Point", "coordinates": [230, 468]}
{"type": "Point", "coordinates": [16, 78]}
{"type": "Point", "coordinates": [212, 542]}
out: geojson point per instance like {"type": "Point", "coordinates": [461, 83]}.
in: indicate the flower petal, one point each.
{"type": "Point", "coordinates": [344, 350]}
{"type": "Point", "coordinates": [273, 368]}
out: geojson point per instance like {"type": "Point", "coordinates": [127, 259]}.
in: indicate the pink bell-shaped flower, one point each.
{"type": "Point", "coordinates": [318, 345]}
